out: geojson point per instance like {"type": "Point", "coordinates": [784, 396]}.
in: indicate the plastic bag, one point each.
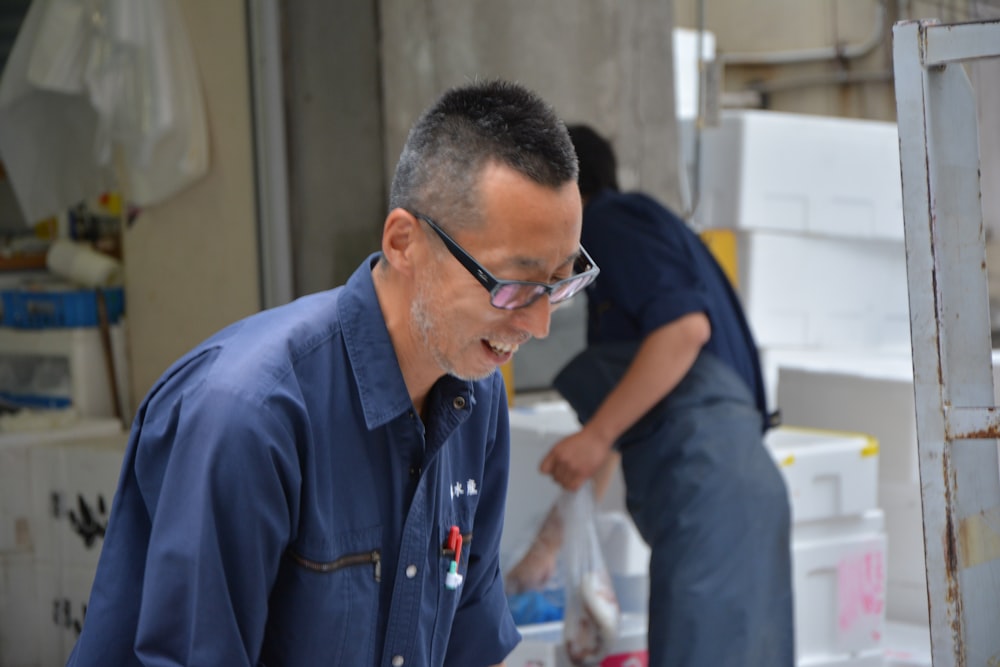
{"type": "Point", "coordinates": [101, 95]}
{"type": "Point", "coordinates": [592, 614]}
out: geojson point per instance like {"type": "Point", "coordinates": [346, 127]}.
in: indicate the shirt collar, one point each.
{"type": "Point", "coordinates": [373, 358]}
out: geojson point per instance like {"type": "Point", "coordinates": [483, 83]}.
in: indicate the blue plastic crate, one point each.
{"type": "Point", "coordinates": [45, 307]}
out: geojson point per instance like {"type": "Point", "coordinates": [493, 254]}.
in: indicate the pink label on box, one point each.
{"type": "Point", "coordinates": [860, 598]}
{"type": "Point", "coordinates": [630, 659]}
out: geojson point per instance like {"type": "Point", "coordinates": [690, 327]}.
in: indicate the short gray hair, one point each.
{"type": "Point", "coordinates": [468, 128]}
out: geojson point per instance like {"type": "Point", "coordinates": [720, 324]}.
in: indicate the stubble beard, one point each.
{"type": "Point", "coordinates": [425, 325]}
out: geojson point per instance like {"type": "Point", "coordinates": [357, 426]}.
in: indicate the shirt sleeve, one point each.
{"type": "Point", "coordinates": [218, 477]}
{"type": "Point", "coordinates": [483, 631]}
{"type": "Point", "coordinates": [646, 268]}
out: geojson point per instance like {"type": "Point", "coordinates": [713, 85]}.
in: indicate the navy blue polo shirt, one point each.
{"type": "Point", "coordinates": [654, 270]}
{"type": "Point", "coordinates": [281, 504]}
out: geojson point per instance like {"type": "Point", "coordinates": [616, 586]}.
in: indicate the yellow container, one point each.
{"type": "Point", "coordinates": [507, 370]}
{"type": "Point", "coordinates": [722, 244]}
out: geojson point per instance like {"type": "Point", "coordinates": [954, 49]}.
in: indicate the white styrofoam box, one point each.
{"type": "Point", "coordinates": [859, 398]}
{"type": "Point", "coordinates": [828, 473]}
{"type": "Point", "coordinates": [901, 504]}
{"type": "Point", "coordinates": [873, 658]}
{"type": "Point", "coordinates": [623, 548]}
{"type": "Point", "coordinates": [542, 645]}
{"type": "Point", "coordinates": [799, 173]}
{"type": "Point", "coordinates": [860, 393]}
{"type": "Point", "coordinates": [534, 428]}
{"type": "Point", "coordinates": [74, 483]}
{"type": "Point", "coordinates": [906, 601]}
{"type": "Point", "coordinates": [823, 292]}
{"type": "Point", "coordinates": [78, 352]}
{"type": "Point", "coordinates": [687, 73]}
{"type": "Point", "coordinates": [851, 359]}
{"type": "Point", "coordinates": [839, 581]}
{"type": "Point", "coordinates": [907, 598]}
{"type": "Point", "coordinates": [16, 528]}
{"type": "Point", "coordinates": [626, 556]}
{"type": "Point", "coordinates": [19, 611]}
{"type": "Point", "coordinates": [907, 645]}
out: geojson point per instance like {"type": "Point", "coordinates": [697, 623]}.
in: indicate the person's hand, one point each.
{"type": "Point", "coordinates": [534, 570]}
{"type": "Point", "coordinates": [574, 459]}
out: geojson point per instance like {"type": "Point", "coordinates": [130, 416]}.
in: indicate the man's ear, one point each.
{"type": "Point", "coordinates": [401, 236]}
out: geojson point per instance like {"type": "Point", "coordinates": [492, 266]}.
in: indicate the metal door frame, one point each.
{"type": "Point", "coordinates": [957, 420]}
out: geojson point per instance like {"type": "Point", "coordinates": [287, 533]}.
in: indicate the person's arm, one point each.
{"type": "Point", "coordinates": [216, 476]}
{"type": "Point", "coordinates": [663, 359]}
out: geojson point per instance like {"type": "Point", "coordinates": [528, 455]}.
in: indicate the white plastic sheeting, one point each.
{"type": "Point", "coordinates": [99, 95]}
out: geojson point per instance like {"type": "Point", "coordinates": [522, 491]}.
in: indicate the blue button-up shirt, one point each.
{"type": "Point", "coordinates": [281, 503]}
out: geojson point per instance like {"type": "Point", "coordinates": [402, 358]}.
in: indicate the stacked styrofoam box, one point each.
{"type": "Point", "coordinates": [45, 576]}
{"type": "Point", "coordinates": [852, 394]}
{"type": "Point", "coordinates": [874, 396]}
{"type": "Point", "coordinates": [802, 174]}
{"type": "Point", "coordinates": [877, 361]}
{"type": "Point", "coordinates": [908, 645]}
{"type": "Point", "coordinates": [838, 544]}
{"type": "Point", "coordinates": [823, 292]}
{"type": "Point", "coordinates": [816, 205]}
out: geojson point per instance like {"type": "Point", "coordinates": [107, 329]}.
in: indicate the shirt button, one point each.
{"type": "Point", "coordinates": [397, 661]}
{"type": "Point", "coordinates": [411, 571]}
{"type": "Point", "coordinates": [459, 402]}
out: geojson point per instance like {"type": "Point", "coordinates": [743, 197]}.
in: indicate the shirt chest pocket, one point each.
{"type": "Point", "coordinates": [451, 577]}
{"type": "Point", "coordinates": [324, 603]}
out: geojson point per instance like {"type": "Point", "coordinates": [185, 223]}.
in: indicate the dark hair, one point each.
{"type": "Point", "coordinates": [598, 166]}
{"type": "Point", "coordinates": [469, 127]}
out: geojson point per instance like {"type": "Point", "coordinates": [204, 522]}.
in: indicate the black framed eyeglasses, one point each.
{"type": "Point", "coordinates": [513, 294]}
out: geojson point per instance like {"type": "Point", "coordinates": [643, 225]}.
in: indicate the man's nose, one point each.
{"type": "Point", "coordinates": [535, 319]}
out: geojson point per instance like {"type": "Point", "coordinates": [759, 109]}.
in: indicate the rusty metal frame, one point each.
{"type": "Point", "coordinates": [957, 421]}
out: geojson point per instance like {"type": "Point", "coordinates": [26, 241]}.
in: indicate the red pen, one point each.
{"type": "Point", "coordinates": [453, 579]}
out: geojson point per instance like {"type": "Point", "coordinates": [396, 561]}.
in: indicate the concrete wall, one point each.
{"type": "Point", "coordinates": [334, 130]}
{"type": "Point", "coordinates": [605, 62]}
{"type": "Point", "coordinates": [191, 263]}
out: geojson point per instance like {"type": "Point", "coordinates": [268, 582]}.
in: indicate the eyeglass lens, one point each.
{"type": "Point", "coordinates": [517, 295]}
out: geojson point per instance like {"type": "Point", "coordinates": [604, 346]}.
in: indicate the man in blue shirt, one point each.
{"type": "Point", "coordinates": [671, 379]}
{"type": "Point", "coordinates": [323, 483]}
